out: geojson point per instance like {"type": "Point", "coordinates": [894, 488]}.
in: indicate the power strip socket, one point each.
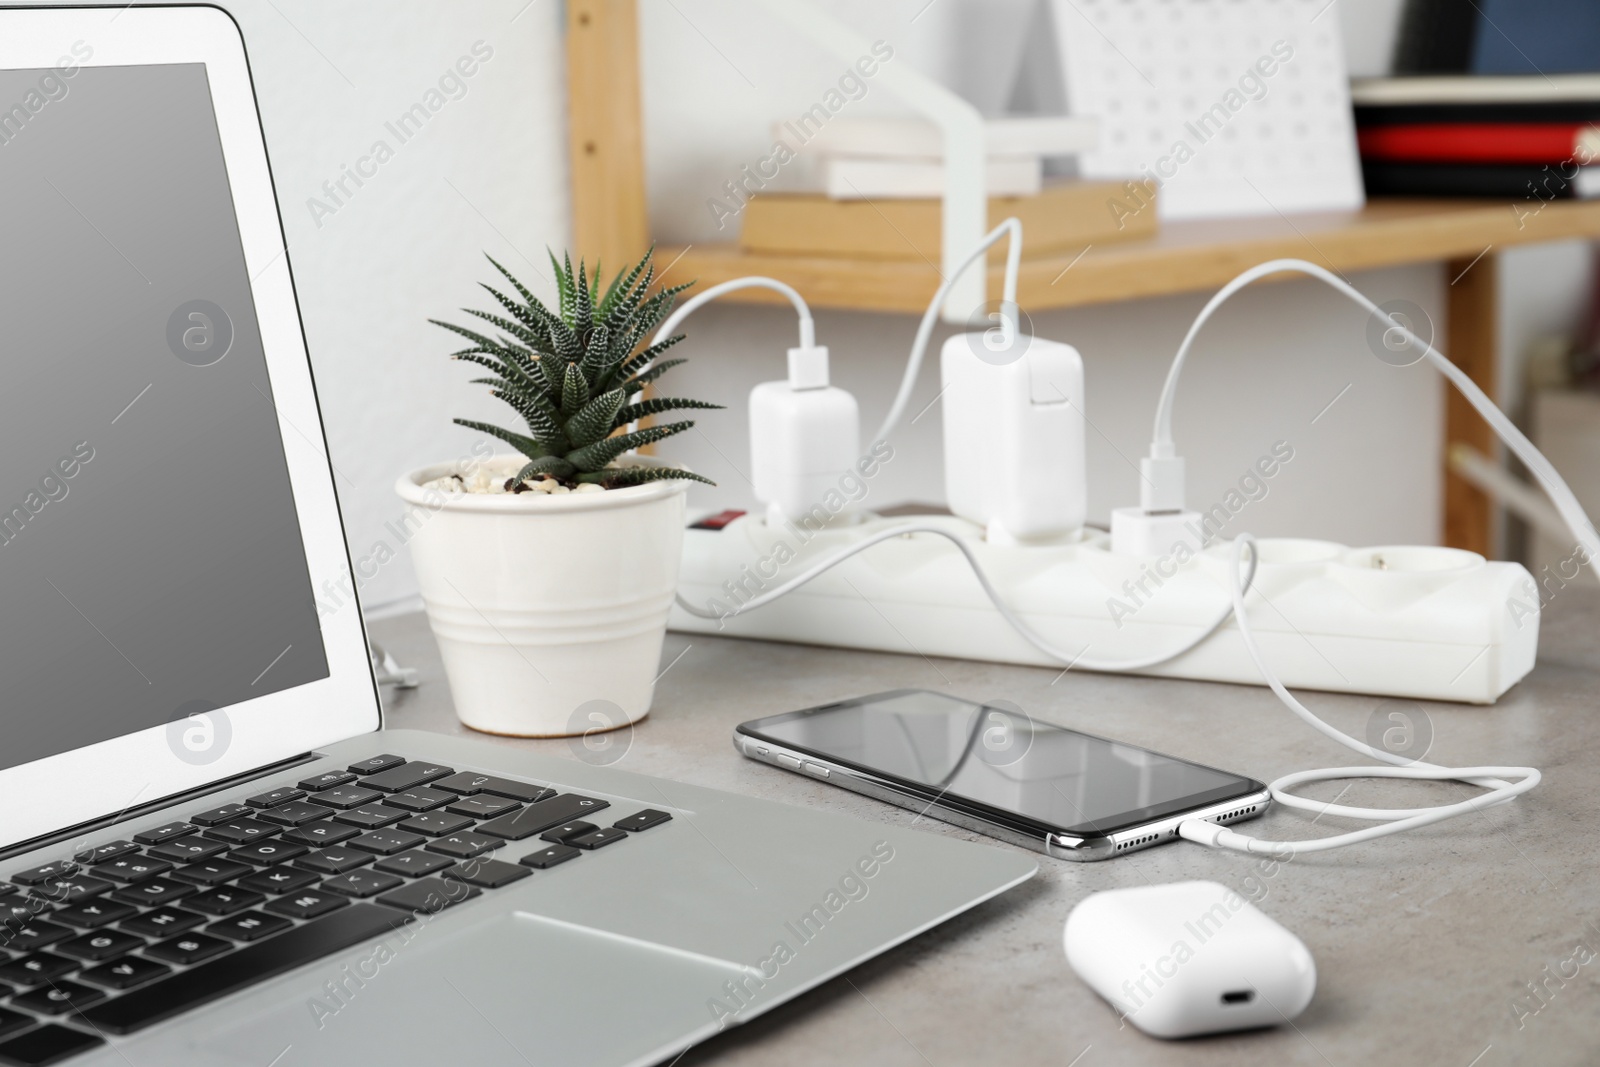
{"type": "Point", "coordinates": [1408, 621]}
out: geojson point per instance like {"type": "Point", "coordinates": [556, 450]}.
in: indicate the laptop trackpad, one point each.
{"type": "Point", "coordinates": [516, 989]}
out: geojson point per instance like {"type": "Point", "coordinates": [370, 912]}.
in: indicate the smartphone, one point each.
{"type": "Point", "coordinates": [993, 769]}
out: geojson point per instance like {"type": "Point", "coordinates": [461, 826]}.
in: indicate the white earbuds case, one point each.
{"type": "Point", "coordinates": [1188, 958]}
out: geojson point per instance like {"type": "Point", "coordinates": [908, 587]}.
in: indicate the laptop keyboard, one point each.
{"type": "Point", "coordinates": [131, 932]}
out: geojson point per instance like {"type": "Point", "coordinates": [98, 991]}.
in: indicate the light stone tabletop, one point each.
{"type": "Point", "coordinates": [1428, 945]}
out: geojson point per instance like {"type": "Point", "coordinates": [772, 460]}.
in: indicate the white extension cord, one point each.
{"type": "Point", "coordinates": [1163, 490]}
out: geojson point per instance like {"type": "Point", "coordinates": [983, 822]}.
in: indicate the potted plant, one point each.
{"type": "Point", "coordinates": [548, 573]}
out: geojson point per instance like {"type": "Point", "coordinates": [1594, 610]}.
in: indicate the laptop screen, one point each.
{"type": "Point", "coordinates": [151, 563]}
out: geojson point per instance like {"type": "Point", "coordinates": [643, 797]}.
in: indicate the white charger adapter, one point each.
{"type": "Point", "coordinates": [1014, 434]}
{"type": "Point", "coordinates": [1188, 958]}
{"type": "Point", "coordinates": [804, 434]}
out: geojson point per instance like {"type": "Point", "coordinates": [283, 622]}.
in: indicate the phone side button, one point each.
{"type": "Point", "coordinates": [788, 761]}
{"type": "Point", "coordinates": [812, 768]}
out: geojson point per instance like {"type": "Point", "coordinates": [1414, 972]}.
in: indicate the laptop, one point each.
{"type": "Point", "coordinates": [211, 852]}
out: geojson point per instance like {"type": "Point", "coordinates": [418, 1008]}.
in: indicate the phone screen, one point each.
{"type": "Point", "coordinates": [1070, 782]}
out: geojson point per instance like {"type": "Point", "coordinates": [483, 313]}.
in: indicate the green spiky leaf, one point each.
{"type": "Point", "coordinates": [639, 381]}
{"type": "Point", "coordinates": [619, 477]}
{"type": "Point", "coordinates": [574, 391]}
{"type": "Point", "coordinates": [595, 419]}
{"type": "Point", "coordinates": [655, 406]}
{"type": "Point", "coordinates": [555, 465]}
{"type": "Point", "coordinates": [593, 457]}
{"type": "Point", "coordinates": [524, 444]}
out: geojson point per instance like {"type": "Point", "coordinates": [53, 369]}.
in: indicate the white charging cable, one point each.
{"type": "Point", "coordinates": [1390, 820]}
{"type": "Point", "coordinates": [1009, 314]}
{"type": "Point", "coordinates": [1162, 487]}
{"type": "Point", "coordinates": [808, 330]}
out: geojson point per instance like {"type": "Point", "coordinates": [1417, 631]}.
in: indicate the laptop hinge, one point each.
{"type": "Point", "coordinates": [93, 825]}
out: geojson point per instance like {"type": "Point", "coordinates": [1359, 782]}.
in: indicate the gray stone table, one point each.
{"type": "Point", "coordinates": [1426, 944]}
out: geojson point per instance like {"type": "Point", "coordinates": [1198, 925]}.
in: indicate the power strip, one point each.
{"type": "Point", "coordinates": [1421, 622]}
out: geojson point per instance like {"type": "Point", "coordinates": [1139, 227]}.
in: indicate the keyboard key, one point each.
{"type": "Point", "coordinates": [597, 839]}
{"type": "Point", "coordinates": [468, 783]}
{"type": "Point", "coordinates": [541, 816]}
{"type": "Point", "coordinates": [131, 868]}
{"type": "Point", "coordinates": [335, 860]}
{"type": "Point", "coordinates": [108, 851]}
{"type": "Point", "coordinates": [16, 911]}
{"type": "Point", "coordinates": [269, 853]}
{"type": "Point", "coordinates": [36, 935]}
{"type": "Point", "coordinates": [642, 821]}
{"type": "Point", "coordinates": [125, 973]}
{"type": "Point", "coordinates": [549, 857]}
{"type": "Point", "coordinates": [413, 864]}
{"type": "Point", "coordinates": [329, 780]}
{"type": "Point", "coordinates": [92, 914]}
{"type": "Point", "coordinates": [187, 948]}
{"type": "Point", "coordinates": [188, 849]}
{"type": "Point", "coordinates": [376, 764]}
{"type": "Point", "coordinates": [160, 1000]}
{"type": "Point", "coordinates": [463, 845]}
{"type": "Point", "coordinates": [429, 895]}
{"type": "Point", "coordinates": [212, 872]}
{"type": "Point", "coordinates": [163, 922]}
{"type": "Point", "coordinates": [422, 798]}
{"type": "Point", "coordinates": [243, 831]}
{"type": "Point", "coordinates": [100, 945]}
{"type": "Point", "coordinates": [483, 806]}
{"type": "Point", "coordinates": [224, 900]}
{"type": "Point", "coordinates": [153, 893]}
{"type": "Point", "coordinates": [48, 1044]}
{"type": "Point", "coordinates": [387, 842]}
{"type": "Point", "coordinates": [11, 1022]}
{"type": "Point", "coordinates": [68, 889]}
{"type": "Point", "coordinates": [560, 834]}
{"type": "Point", "coordinates": [296, 813]}
{"type": "Point", "coordinates": [279, 880]}
{"type": "Point", "coordinates": [307, 905]}
{"type": "Point", "coordinates": [406, 776]}
{"type": "Point", "coordinates": [273, 797]}
{"type": "Point", "coordinates": [371, 816]}
{"type": "Point", "coordinates": [436, 823]}
{"type": "Point", "coordinates": [37, 969]}
{"type": "Point", "coordinates": [220, 815]}
{"type": "Point", "coordinates": [345, 796]}
{"type": "Point", "coordinates": [58, 998]}
{"type": "Point", "coordinates": [36, 875]}
{"type": "Point", "coordinates": [488, 874]}
{"type": "Point", "coordinates": [249, 926]}
{"type": "Point", "coordinates": [362, 883]}
{"type": "Point", "coordinates": [163, 833]}
{"type": "Point", "coordinates": [317, 834]}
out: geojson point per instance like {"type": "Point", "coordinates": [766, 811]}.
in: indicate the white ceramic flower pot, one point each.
{"type": "Point", "coordinates": [549, 610]}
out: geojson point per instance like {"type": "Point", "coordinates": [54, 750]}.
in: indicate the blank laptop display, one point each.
{"type": "Point", "coordinates": [151, 559]}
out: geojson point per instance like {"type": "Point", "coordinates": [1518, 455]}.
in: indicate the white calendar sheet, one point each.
{"type": "Point", "coordinates": [1229, 107]}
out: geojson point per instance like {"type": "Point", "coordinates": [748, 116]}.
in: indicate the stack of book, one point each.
{"type": "Point", "coordinates": [873, 188]}
{"type": "Point", "coordinates": [892, 158]}
{"type": "Point", "coordinates": [1519, 137]}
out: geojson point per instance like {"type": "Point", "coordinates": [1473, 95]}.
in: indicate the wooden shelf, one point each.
{"type": "Point", "coordinates": [1184, 257]}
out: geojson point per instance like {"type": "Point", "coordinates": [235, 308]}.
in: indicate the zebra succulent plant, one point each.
{"type": "Point", "coordinates": [571, 374]}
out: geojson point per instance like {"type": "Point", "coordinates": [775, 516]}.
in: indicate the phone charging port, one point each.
{"type": "Point", "coordinates": [1239, 996]}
